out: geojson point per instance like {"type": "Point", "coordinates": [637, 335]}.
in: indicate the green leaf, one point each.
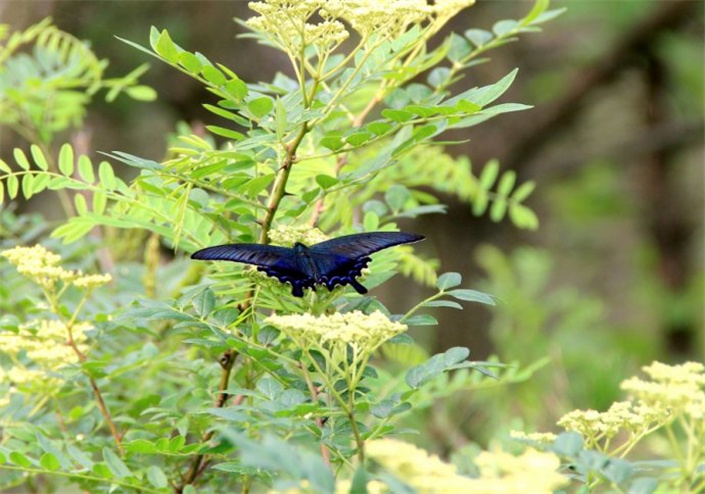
{"type": "Point", "coordinates": [2, 192]}
{"type": "Point", "coordinates": [280, 119]}
{"type": "Point", "coordinates": [568, 444]}
{"type": "Point", "coordinates": [539, 7]}
{"type": "Point", "coordinates": [213, 75]}
{"type": "Point", "coordinates": [523, 191]}
{"type": "Point", "coordinates": [471, 296]}
{"type": "Point", "coordinates": [236, 88]}
{"type": "Point", "coordinates": [506, 183]}
{"type": "Point", "coordinates": [505, 27]}
{"type": "Point", "coordinates": [66, 160]}
{"type": "Point", "coordinates": [371, 221]}
{"type": "Point", "coordinates": [359, 481]}
{"type": "Point", "coordinates": [480, 202]}
{"type": "Point", "coordinates": [80, 201]}
{"type": "Point", "coordinates": [190, 62]}
{"type": "Point", "coordinates": [20, 158]}
{"type": "Point", "coordinates": [223, 132]}
{"type": "Point", "coordinates": [49, 462]}
{"type": "Point", "coordinates": [19, 459]}
{"type": "Point", "coordinates": [27, 183]}
{"type": "Point", "coordinates": [382, 409]}
{"type": "Point", "coordinates": [396, 196]}
{"type": "Point", "coordinates": [261, 106]}
{"type": "Point", "coordinates": [421, 320]}
{"type": "Point", "coordinates": [443, 303]}
{"type": "Point", "coordinates": [397, 115]}
{"type": "Point", "coordinates": [106, 175]}
{"type": "Point", "coordinates": [523, 217]}
{"type": "Point", "coordinates": [358, 138]}
{"type": "Point", "coordinates": [498, 209]}
{"type": "Point", "coordinates": [78, 455]}
{"type": "Point", "coordinates": [38, 157]}
{"type": "Point", "coordinates": [326, 181]}
{"type": "Point", "coordinates": [489, 174]}
{"type": "Point", "coordinates": [204, 302]}
{"type": "Point", "coordinates": [166, 47]}
{"type": "Point", "coordinates": [643, 485]}
{"type": "Point", "coordinates": [12, 186]}
{"type": "Point", "coordinates": [100, 200]}
{"type": "Point", "coordinates": [156, 477]}
{"type": "Point", "coordinates": [459, 48]}
{"type": "Point", "coordinates": [115, 464]}
{"type": "Point", "coordinates": [438, 76]}
{"type": "Point", "coordinates": [141, 446]}
{"type": "Point", "coordinates": [141, 93]}
{"type": "Point", "coordinates": [85, 169]}
{"type": "Point", "coordinates": [257, 185]}
{"type": "Point", "coordinates": [269, 387]}
{"type": "Point", "coordinates": [455, 355]}
{"type": "Point", "coordinates": [448, 280]}
{"type": "Point", "coordinates": [176, 443]}
{"type": "Point", "coordinates": [379, 128]}
{"type": "Point", "coordinates": [333, 142]}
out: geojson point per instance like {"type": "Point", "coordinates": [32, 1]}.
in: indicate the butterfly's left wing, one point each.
{"type": "Point", "coordinates": [279, 262]}
{"type": "Point", "coordinates": [340, 260]}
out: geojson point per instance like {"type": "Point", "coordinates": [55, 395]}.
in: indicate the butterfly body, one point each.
{"type": "Point", "coordinates": [334, 262]}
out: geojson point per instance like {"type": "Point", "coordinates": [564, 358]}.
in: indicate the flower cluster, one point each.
{"type": "Point", "coordinates": [635, 418]}
{"type": "Point", "coordinates": [42, 267]}
{"type": "Point", "coordinates": [500, 472]}
{"type": "Point", "coordinates": [289, 235]}
{"type": "Point", "coordinates": [353, 328]}
{"type": "Point", "coordinates": [45, 343]}
{"type": "Point", "coordinates": [532, 471]}
{"type": "Point", "coordinates": [286, 22]}
{"type": "Point", "coordinates": [678, 388]}
{"type": "Point", "coordinates": [533, 437]}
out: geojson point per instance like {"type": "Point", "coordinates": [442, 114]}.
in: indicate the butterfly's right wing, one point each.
{"type": "Point", "coordinates": [279, 262]}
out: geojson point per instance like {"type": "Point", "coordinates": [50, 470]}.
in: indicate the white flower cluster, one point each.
{"type": "Point", "coordinates": [41, 266]}
{"type": "Point", "coordinates": [354, 328]}
{"type": "Point", "coordinates": [622, 415]}
{"type": "Point", "coordinates": [500, 472]}
{"type": "Point", "coordinates": [45, 342]}
{"type": "Point", "coordinates": [678, 388]}
{"type": "Point", "coordinates": [289, 235]}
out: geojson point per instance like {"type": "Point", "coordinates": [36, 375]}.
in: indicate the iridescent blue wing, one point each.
{"type": "Point", "coordinates": [279, 262]}
{"type": "Point", "coordinates": [340, 260]}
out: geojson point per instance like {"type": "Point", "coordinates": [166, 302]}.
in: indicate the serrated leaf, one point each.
{"type": "Point", "coordinates": [66, 160]}
{"type": "Point", "coordinates": [20, 158]}
{"type": "Point", "coordinates": [448, 280]}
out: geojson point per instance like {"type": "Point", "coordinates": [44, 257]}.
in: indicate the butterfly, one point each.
{"type": "Point", "coordinates": [334, 262]}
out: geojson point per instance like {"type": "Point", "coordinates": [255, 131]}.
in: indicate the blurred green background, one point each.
{"type": "Point", "coordinates": [612, 279]}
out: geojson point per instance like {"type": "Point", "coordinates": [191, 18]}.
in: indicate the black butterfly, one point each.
{"type": "Point", "coordinates": [333, 262]}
